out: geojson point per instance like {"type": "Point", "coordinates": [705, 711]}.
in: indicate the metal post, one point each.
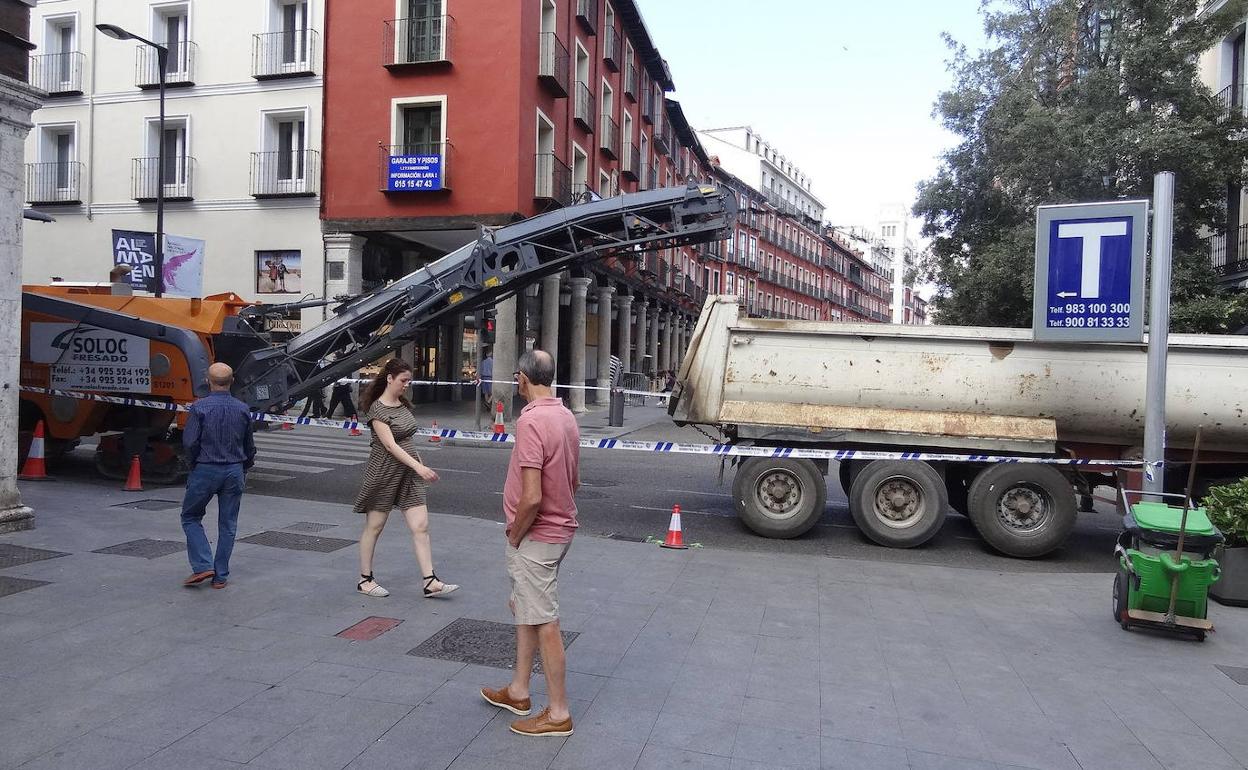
{"type": "Point", "coordinates": [162, 60]}
{"type": "Point", "coordinates": [1158, 332]}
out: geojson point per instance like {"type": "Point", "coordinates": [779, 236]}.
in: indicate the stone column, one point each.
{"type": "Point", "coordinates": [505, 351]}
{"type": "Point", "coordinates": [550, 317]}
{"type": "Point", "coordinates": [639, 353]}
{"type": "Point", "coordinates": [17, 102]}
{"type": "Point", "coordinates": [576, 377]}
{"type": "Point", "coordinates": [654, 339]}
{"type": "Point", "coordinates": [625, 304]}
{"type": "Point", "coordinates": [457, 357]}
{"type": "Point", "coordinates": [344, 265]}
{"type": "Point", "coordinates": [605, 295]}
{"type": "Point", "coordinates": [665, 344]}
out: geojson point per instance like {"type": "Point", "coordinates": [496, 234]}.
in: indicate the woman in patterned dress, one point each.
{"type": "Point", "coordinates": [394, 478]}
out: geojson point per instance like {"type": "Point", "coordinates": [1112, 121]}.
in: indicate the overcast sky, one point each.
{"type": "Point", "coordinates": [844, 89]}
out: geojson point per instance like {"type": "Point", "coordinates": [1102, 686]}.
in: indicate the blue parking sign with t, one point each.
{"type": "Point", "coordinates": [1090, 271]}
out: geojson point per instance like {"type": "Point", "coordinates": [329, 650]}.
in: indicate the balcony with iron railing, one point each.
{"type": "Point", "coordinates": [630, 164]}
{"type": "Point", "coordinates": [290, 174]}
{"type": "Point", "coordinates": [647, 106]}
{"type": "Point", "coordinates": [53, 183]}
{"type": "Point", "coordinates": [661, 144]}
{"type": "Point", "coordinates": [554, 64]}
{"type": "Point", "coordinates": [418, 167]}
{"type": "Point", "coordinates": [611, 48]}
{"type": "Point", "coordinates": [553, 179]}
{"type": "Point", "coordinates": [287, 54]}
{"type": "Point", "coordinates": [1229, 255]}
{"type": "Point", "coordinates": [630, 81]}
{"type": "Point", "coordinates": [177, 178]}
{"type": "Point", "coordinates": [609, 136]}
{"type": "Point", "coordinates": [1230, 100]}
{"type": "Point", "coordinates": [59, 74]}
{"type": "Point", "coordinates": [179, 65]}
{"type": "Point", "coordinates": [410, 42]}
{"type": "Point", "coordinates": [587, 15]}
{"type": "Point", "coordinates": [583, 106]}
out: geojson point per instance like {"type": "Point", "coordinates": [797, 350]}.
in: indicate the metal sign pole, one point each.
{"type": "Point", "coordinates": [1158, 331]}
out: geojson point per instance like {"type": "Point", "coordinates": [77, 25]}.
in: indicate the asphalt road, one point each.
{"type": "Point", "coordinates": [627, 495]}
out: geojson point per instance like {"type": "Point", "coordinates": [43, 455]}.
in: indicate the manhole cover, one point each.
{"type": "Point", "coordinates": [482, 642]}
{"type": "Point", "coordinates": [144, 549]}
{"type": "Point", "coordinates": [599, 483]}
{"type": "Point", "coordinates": [626, 538]}
{"type": "Point", "coordinates": [150, 505]}
{"type": "Point", "coordinates": [308, 526]}
{"type": "Point", "coordinates": [1238, 675]}
{"type": "Point", "coordinates": [297, 542]}
{"type": "Point", "coordinates": [13, 555]}
{"type": "Point", "coordinates": [13, 585]}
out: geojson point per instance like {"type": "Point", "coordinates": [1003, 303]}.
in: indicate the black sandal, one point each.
{"type": "Point", "coordinates": [446, 588]}
{"type": "Point", "coordinates": [376, 591]}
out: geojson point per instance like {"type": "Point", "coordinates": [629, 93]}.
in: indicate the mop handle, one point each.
{"type": "Point", "coordinates": [1187, 505]}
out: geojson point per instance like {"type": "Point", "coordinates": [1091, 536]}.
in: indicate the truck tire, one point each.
{"type": "Point", "coordinates": [898, 503]}
{"type": "Point", "coordinates": [1022, 510]}
{"type": "Point", "coordinates": [779, 498]}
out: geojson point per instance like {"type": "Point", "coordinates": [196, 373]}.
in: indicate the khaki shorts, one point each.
{"type": "Point", "coordinates": [534, 572]}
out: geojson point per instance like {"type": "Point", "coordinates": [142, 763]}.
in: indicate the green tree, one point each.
{"type": "Point", "coordinates": [1079, 100]}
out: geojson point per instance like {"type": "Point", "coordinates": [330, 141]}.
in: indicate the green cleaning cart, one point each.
{"type": "Point", "coordinates": [1158, 585]}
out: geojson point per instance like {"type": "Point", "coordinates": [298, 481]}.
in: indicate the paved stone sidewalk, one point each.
{"type": "Point", "coordinates": [699, 659]}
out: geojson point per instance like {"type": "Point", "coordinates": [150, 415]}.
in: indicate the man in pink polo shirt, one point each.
{"type": "Point", "coordinates": [538, 500]}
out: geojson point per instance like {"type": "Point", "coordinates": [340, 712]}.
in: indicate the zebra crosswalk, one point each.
{"type": "Point", "coordinates": [306, 451]}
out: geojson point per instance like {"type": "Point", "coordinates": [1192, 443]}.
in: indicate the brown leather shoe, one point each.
{"type": "Point", "coordinates": [220, 584]}
{"type": "Point", "coordinates": [198, 578]}
{"type": "Point", "coordinates": [503, 699]}
{"type": "Point", "coordinates": [542, 726]}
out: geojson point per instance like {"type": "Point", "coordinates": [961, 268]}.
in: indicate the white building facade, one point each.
{"type": "Point", "coordinates": [241, 139]}
{"type": "Point", "coordinates": [745, 154]}
{"type": "Point", "coordinates": [1224, 69]}
{"type": "Point", "coordinates": [894, 233]}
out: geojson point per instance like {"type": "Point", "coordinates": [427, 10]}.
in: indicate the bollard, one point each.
{"type": "Point", "coordinates": [615, 416]}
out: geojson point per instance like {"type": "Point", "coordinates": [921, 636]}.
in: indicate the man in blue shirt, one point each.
{"type": "Point", "coordinates": [219, 447]}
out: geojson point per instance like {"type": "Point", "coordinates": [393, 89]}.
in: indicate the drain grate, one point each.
{"type": "Point", "coordinates": [297, 542]}
{"type": "Point", "coordinates": [14, 585]}
{"type": "Point", "coordinates": [481, 642]}
{"type": "Point", "coordinates": [1237, 675]}
{"type": "Point", "coordinates": [150, 505]}
{"type": "Point", "coordinates": [308, 526]}
{"type": "Point", "coordinates": [145, 548]}
{"type": "Point", "coordinates": [14, 555]}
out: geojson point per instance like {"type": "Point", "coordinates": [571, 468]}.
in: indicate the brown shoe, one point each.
{"type": "Point", "coordinates": [503, 699]}
{"type": "Point", "coordinates": [542, 725]}
{"type": "Point", "coordinates": [198, 578]}
{"type": "Point", "coordinates": [221, 584]}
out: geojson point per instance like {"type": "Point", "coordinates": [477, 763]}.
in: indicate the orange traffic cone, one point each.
{"type": "Point", "coordinates": [134, 481]}
{"type": "Point", "coordinates": [34, 469]}
{"type": "Point", "coordinates": [498, 418]}
{"type": "Point", "coordinates": [355, 425]}
{"type": "Point", "coordinates": [435, 438]}
{"type": "Point", "coordinates": [675, 538]}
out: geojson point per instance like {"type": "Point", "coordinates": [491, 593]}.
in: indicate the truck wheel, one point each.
{"type": "Point", "coordinates": [898, 503]}
{"type": "Point", "coordinates": [1022, 510]}
{"type": "Point", "coordinates": [779, 498]}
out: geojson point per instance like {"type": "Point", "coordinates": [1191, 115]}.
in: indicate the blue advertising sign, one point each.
{"type": "Point", "coordinates": [414, 172]}
{"type": "Point", "coordinates": [1090, 272]}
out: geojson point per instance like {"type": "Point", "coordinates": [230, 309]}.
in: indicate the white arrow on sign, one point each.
{"type": "Point", "coordinates": [1067, 294]}
{"type": "Point", "coordinates": [1091, 234]}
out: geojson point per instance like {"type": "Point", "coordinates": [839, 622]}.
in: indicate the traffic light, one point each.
{"type": "Point", "coordinates": [487, 333]}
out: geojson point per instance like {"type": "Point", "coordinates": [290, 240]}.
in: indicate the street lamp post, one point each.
{"type": "Point", "coordinates": [162, 61]}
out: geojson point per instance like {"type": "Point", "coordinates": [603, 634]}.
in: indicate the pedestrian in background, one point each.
{"type": "Point", "coordinates": [341, 394]}
{"type": "Point", "coordinates": [316, 403]}
{"type": "Point", "coordinates": [394, 478]}
{"type": "Point", "coordinates": [220, 448]}
{"type": "Point", "coordinates": [486, 374]}
{"type": "Point", "coordinates": [540, 509]}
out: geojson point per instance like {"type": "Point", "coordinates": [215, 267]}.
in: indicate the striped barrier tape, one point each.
{"type": "Point", "coordinates": [445, 383]}
{"type": "Point", "coordinates": [662, 447]}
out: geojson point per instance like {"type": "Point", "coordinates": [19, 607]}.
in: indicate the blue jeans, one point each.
{"type": "Point", "coordinates": [206, 480]}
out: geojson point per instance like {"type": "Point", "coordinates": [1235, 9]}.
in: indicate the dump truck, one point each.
{"type": "Point", "coordinates": [91, 339]}
{"type": "Point", "coordinates": [914, 391]}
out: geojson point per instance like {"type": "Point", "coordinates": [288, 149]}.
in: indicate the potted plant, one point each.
{"type": "Point", "coordinates": [1227, 507]}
